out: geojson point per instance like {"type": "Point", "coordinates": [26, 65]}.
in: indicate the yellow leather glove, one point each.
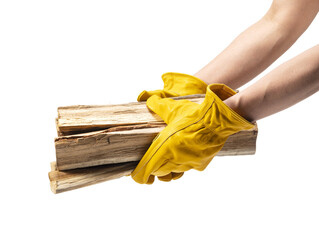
{"type": "Point", "coordinates": [176, 84]}
{"type": "Point", "coordinates": [194, 134]}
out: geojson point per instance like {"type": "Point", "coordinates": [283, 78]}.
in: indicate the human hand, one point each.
{"type": "Point", "coordinates": [194, 134]}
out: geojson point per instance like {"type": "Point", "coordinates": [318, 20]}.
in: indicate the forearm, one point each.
{"type": "Point", "coordinates": [285, 86]}
{"type": "Point", "coordinates": [261, 44]}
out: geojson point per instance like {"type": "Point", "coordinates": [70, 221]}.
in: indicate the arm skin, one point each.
{"type": "Point", "coordinates": [261, 44]}
{"type": "Point", "coordinates": [283, 87]}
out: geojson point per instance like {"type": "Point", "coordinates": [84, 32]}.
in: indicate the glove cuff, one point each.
{"type": "Point", "coordinates": [217, 93]}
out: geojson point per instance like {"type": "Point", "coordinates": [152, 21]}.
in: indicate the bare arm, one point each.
{"type": "Point", "coordinates": [261, 44]}
{"type": "Point", "coordinates": [283, 87]}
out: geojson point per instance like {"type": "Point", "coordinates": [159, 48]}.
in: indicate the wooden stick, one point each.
{"type": "Point", "coordinates": [129, 143]}
{"type": "Point", "coordinates": [61, 181]}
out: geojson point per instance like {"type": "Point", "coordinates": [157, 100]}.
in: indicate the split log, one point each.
{"type": "Point", "coordinates": [129, 143]}
{"type": "Point", "coordinates": [85, 118]}
{"type": "Point", "coordinates": [128, 131]}
{"type": "Point", "coordinates": [62, 181]}
{"type": "Point", "coordinates": [118, 136]}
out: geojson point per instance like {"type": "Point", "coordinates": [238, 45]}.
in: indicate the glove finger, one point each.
{"type": "Point", "coordinates": [152, 160]}
{"type": "Point", "coordinates": [168, 109]}
{"type": "Point", "coordinates": [170, 176]}
{"type": "Point", "coordinates": [176, 175]}
{"type": "Point", "coordinates": [165, 178]}
{"type": "Point", "coordinates": [150, 179]}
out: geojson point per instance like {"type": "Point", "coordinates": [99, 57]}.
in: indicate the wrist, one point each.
{"type": "Point", "coordinates": [235, 103]}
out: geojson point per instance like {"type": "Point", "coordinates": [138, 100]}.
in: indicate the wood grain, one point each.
{"type": "Point", "coordinates": [87, 118]}
{"type": "Point", "coordinates": [129, 143]}
{"type": "Point", "coordinates": [62, 181]}
{"type": "Point", "coordinates": [100, 143]}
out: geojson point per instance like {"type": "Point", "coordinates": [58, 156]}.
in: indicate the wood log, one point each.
{"type": "Point", "coordinates": [86, 118]}
{"type": "Point", "coordinates": [62, 181]}
{"type": "Point", "coordinates": [88, 149]}
{"type": "Point", "coordinates": [128, 132]}
{"type": "Point", "coordinates": [115, 135]}
{"type": "Point", "coordinates": [129, 143]}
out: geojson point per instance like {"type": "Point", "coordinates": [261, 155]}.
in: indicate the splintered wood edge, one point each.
{"type": "Point", "coordinates": [53, 184]}
{"type": "Point", "coordinates": [57, 127]}
{"type": "Point", "coordinates": [138, 103]}
{"type": "Point", "coordinates": [125, 128]}
{"type": "Point", "coordinates": [130, 128]}
{"type": "Point", "coordinates": [62, 181]}
{"type": "Point", "coordinates": [241, 143]}
{"type": "Point", "coordinates": [66, 129]}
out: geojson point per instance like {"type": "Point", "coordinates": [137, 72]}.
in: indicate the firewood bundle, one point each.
{"type": "Point", "coordinates": [97, 143]}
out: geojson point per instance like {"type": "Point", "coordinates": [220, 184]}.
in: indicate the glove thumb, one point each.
{"type": "Point", "coordinates": [169, 109]}
{"type": "Point", "coordinates": [143, 96]}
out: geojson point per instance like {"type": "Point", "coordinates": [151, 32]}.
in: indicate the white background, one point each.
{"type": "Point", "coordinates": [58, 53]}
